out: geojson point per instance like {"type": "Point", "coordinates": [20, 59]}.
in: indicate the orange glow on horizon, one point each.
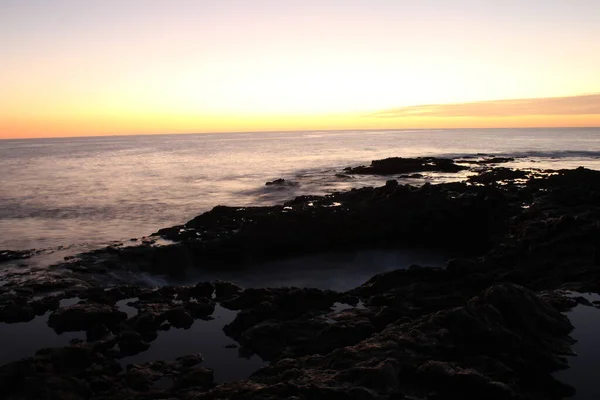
{"type": "Point", "coordinates": [112, 67]}
{"type": "Point", "coordinates": [70, 126]}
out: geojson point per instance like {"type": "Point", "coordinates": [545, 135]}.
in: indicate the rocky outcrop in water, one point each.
{"type": "Point", "coordinates": [281, 183]}
{"type": "Point", "coordinates": [399, 165]}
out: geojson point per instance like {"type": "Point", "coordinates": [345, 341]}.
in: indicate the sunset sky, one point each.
{"type": "Point", "coordinates": [72, 67]}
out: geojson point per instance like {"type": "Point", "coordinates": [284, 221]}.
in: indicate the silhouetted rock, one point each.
{"type": "Point", "coordinates": [399, 165]}
{"type": "Point", "coordinates": [498, 174]}
{"type": "Point", "coordinates": [196, 377]}
{"type": "Point", "coordinates": [9, 255]}
{"type": "Point", "coordinates": [281, 182]}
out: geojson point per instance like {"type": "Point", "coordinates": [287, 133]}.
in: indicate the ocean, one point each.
{"type": "Point", "coordinates": [89, 191]}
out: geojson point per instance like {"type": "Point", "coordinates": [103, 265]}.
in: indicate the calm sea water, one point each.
{"type": "Point", "coordinates": [88, 191]}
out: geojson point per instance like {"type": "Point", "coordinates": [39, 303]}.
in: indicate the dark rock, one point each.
{"type": "Point", "coordinates": [179, 317]}
{"type": "Point", "coordinates": [290, 322]}
{"type": "Point", "coordinates": [499, 174]}
{"type": "Point", "coordinates": [281, 182]}
{"type": "Point", "coordinates": [225, 289]}
{"type": "Point", "coordinates": [83, 317]}
{"type": "Point", "coordinates": [12, 313]}
{"type": "Point", "coordinates": [200, 309]}
{"type": "Point", "coordinates": [164, 327]}
{"type": "Point", "coordinates": [489, 160]}
{"type": "Point", "coordinates": [96, 333]}
{"type": "Point", "coordinates": [502, 343]}
{"type": "Point", "coordinates": [202, 289]}
{"type": "Point", "coordinates": [498, 160]}
{"type": "Point", "coordinates": [10, 255]}
{"type": "Point", "coordinates": [398, 165]}
{"type": "Point", "coordinates": [197, 377]}
{"type": "Point", "coordinates": [71, 359]}
{"type": "Point", "coordinates": [462, 266]}
{"type": "Point", "coordinates": [41, 306]}
{"type": "Point", "coordinates": [131, 343]}
{"type": "Point", "coordinates": [344, 177]}
{"type": "Point", "coordinates": [411, 176]}
{"type": "Point", "coordinates": [144, 323]}
{"type": "Point", "coordinates": [582, 300]}
{"type": "Point", "coordinates": [391, 183]}
{"type": "Point", "coordinates": [140, 377]}
{"type": "Point", "coordinates": [190, 361]}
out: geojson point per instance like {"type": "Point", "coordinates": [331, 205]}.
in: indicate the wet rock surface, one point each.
{"type": "Point", "coordinates": [487, 325]}
{"type": "Point", "coordinates": [9, 255]}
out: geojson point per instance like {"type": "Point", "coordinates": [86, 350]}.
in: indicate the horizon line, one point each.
{"type": "Point", "coordinates": [297, 131]}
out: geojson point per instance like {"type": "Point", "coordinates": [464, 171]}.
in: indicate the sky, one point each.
{"type": "Point", "coordinates": [102, 67]}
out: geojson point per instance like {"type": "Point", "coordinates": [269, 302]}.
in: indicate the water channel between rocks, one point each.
{"type": "Point", "coordinates": [583, 373]}
{"type": "Point", "coordinates": [337, 271]}
{"type": "Point", "coordinates": [206, 338]}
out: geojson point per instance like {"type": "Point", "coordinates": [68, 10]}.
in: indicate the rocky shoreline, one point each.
{"type": "Point", "coordinates": [489, 324]}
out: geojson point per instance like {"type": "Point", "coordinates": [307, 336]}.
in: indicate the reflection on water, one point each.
{"type": "Point", "coordinates": [583, 373]}
{"type": "Point", "coordinates": [23, 339]}
{"type": "Point", "coordinates": [336, 271]}
{"type": "Point", "coordinates": [123, 306]}
{"type": "Point", "coordinates": [68, 302]}
{"type": "Point", "coordinates": [206, 338]}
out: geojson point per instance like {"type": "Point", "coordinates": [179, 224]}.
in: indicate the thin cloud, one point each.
{"type": "Point", "coordinates": [573, 105]}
